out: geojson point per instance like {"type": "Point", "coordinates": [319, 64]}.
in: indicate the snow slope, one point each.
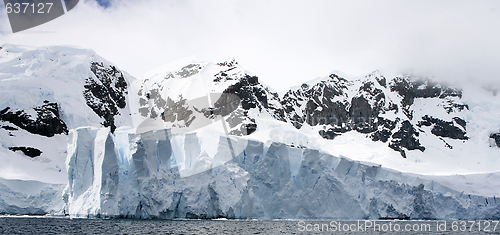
{"type": "Point", "coordinates": [45, 92]}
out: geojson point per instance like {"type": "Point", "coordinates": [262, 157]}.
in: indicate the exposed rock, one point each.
{"type": "Point", "coordinates": [329, 134]}
{"type": "Point", "coordinates": [406, 137]}
{"type": "Point", "coordinates": [384, 131]}
{"type": "Point", "coordinates": [240, 124]}
{"type": "Point", "coordinates": [252, 95]}
{"type": "Point", "coordinates": [460, 122]}
{"type": "Point", "coordinates": [496, 137]}
{"type": "Point", "coordinates": [446, 143]}
{"type": "Point", "coordinates": [225, 105]}
{"type": "Point", "coordinates": [177, 111]}
{"type": "Point", "coordinates": [424, 88]}
{"type": "Point", "coordinates": [325, 103]}
{"type": "Point", "coordinates": [405, 89]}
{"type": "Point", "coordinates": [9, 128]}
{"type": "Point", "coordinates": [450, 106]}
{"type": "Point", "coordinates": [363, 115]}
{"type": "Point", "coordinates": [189, 70]}
{"type": "Point", "coordinates": [229, 71]}
{"type": "Point", "coordinates": [328, 104]}
{"type": "Point", "coordinates": [47, 123]}
{"type": "Point", "coordinates": [445, 129]}
{"type": "Point", "coordinates": [106, 94]}
{"type": "Point", "coordinates": [28, 151]}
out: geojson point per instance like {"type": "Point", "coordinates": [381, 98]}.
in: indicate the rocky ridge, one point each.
{"type": "Point", "coordinates": [382, 109]}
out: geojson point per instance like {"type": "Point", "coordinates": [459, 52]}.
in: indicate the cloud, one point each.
{"type": "Point", "coordinates": [287, 42]}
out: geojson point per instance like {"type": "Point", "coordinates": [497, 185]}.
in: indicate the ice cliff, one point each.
{"type": "Point", "coordinates": [22, 197]}
{"type": "Point", "coordinates": [158, 174]}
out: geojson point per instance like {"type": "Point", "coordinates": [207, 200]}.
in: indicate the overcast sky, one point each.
{"type": "Point", "coordinates": [286, 42]}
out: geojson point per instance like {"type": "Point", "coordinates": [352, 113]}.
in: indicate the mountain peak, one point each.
{"type": "Point", "coordinates": [231, 62]}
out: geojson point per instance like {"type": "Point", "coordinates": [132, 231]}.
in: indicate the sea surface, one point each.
{"type": "Point", "coordinates": [63, 225]}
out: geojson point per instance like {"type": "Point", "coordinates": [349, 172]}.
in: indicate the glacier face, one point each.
{"type": "Point", "coordinates": [21, 197]}
{"type": "Point", "coordinates": [158, 174]}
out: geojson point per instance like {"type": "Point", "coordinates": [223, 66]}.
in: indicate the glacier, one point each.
{"type": "Point", "coordinates": [78, 136]}
{"type": "Point", "coordinates": [205, 174]}
{"type": "Point", "coordinates": [28, 197]}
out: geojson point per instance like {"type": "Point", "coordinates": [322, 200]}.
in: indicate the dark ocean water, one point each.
{"type": "Point", "coordinates": [55, 225]}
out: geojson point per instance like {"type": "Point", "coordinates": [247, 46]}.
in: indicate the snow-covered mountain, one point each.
{"type": "Point", "coordinates": [433, 127]}
{"type": "Point", "coordinates": [46, 92]}
{"type": "Point", "coordinates": [206, 140]}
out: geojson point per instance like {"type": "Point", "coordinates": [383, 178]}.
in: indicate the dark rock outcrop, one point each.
{"type": "Point", "coordinates": [252, 95]}
{"type": "Point", "coordinates": [445, 129]}
{"type": "Point", "coordinates": [324, 103]}
{"type": "Point", "coordinates": [410, 89]}
{"type": "Point", "coordinates": [406, 137]}
{"type": "Point", "coordinates": [496, 137]}
{"type": "Point", "coordinates": [328, 134]}
{"type": "Point", "coordinates": [384, 131]}
{"type": "Point", "coordinates": [106, 94]}
{"type": "Point", "coordinates": [47, 123]}
{"type": "Point", "coordinates": [328, 104]}
{"type": "Point", "coordinates": [9, 128]}
{"type": "Point", "coordinates": [28, 151]}
{"type": "Point", "coordinates": [380, 108]}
